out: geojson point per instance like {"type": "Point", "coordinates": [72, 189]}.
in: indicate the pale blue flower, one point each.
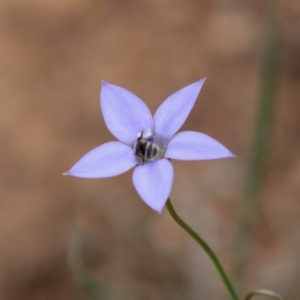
{"type": "Point", "coordinates": [147, 143]}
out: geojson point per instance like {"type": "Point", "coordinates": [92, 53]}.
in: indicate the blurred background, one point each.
{"type": "Point", "coordinates": [53, 57]}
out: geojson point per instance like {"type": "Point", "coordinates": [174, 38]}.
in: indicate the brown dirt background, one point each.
{"type": "Point", "coordinates": [53, 56]}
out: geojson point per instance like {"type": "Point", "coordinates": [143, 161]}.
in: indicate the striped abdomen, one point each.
{"type": "Point", "coordinates": [147, 151]}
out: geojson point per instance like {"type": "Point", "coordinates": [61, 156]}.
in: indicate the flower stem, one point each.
{"type": "Point", "coordinates": [263, 293]}
{"type": "Point", "coordinates": [205, 247]}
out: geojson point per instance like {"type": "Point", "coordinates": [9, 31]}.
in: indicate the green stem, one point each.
{"type": "Point", "coordinates": [261, 145]}
{"type": "Point", "coordinates": [205, 247]}
{"type": "Point", "coordinates": [263, 293]}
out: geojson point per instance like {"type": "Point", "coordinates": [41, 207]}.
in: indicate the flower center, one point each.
{"type": "Point", "coordinates": [146, 149]}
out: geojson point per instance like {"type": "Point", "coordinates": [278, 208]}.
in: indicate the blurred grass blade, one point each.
{"type": "Point", "coordinates": [265, 293]}
{"type": "Point", "coordinates": [266, 109]}
{"type": "Point", "coordinates": [261, 143]}
{"type": "Point", "coordinates": [78, 268]}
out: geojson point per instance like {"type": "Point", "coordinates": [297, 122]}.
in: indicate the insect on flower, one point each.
{"type": "Point", "coordinates": [147, 150]}
{"type": "Point", "coordinates": [147, 143]}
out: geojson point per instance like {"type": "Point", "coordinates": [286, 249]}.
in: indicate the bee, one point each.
{"type": "Point", "coordinates": [147, 150]}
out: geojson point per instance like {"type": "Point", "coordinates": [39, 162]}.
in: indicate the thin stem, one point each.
{"type": "Point", "coordinates": [263, 293]}
{"type": "Point", "coordinates": [205, 247]}
{"type": "Point", "coordinates": [261, 145]}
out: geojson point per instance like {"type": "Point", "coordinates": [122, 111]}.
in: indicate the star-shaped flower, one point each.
{"type": "Point", "coordinates": [147, 143]}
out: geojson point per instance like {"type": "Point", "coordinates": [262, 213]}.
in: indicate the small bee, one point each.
{"type": "Point", "coordinates": [147, 150]}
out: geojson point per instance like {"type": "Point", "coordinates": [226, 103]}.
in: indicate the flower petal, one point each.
{"type": "Point", "coordinates": [124, 113]}
{"type": "Point", "coordinates": [107, 160]}
{"type": "Point", "coordinates": [153, 182]}
{"type": "Point", "coordinates": [173, 112]}
{"type": "Point", "coordinates": [191, 145]}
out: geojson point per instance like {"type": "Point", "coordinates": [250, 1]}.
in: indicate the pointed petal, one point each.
{"type": "Point", "coordinates": [124, 113]}
{"type": "Point", "coordinates": [153, 182]}
{"type": "Point", "coordinates": [107, 160]}
{"type": "Point", "coordinates": [173, 112]}
{"type": "Point", "coordinates": [191, 145]}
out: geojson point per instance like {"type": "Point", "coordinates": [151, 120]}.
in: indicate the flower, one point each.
{"type": "Point", "coordinates": [147, 143]}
